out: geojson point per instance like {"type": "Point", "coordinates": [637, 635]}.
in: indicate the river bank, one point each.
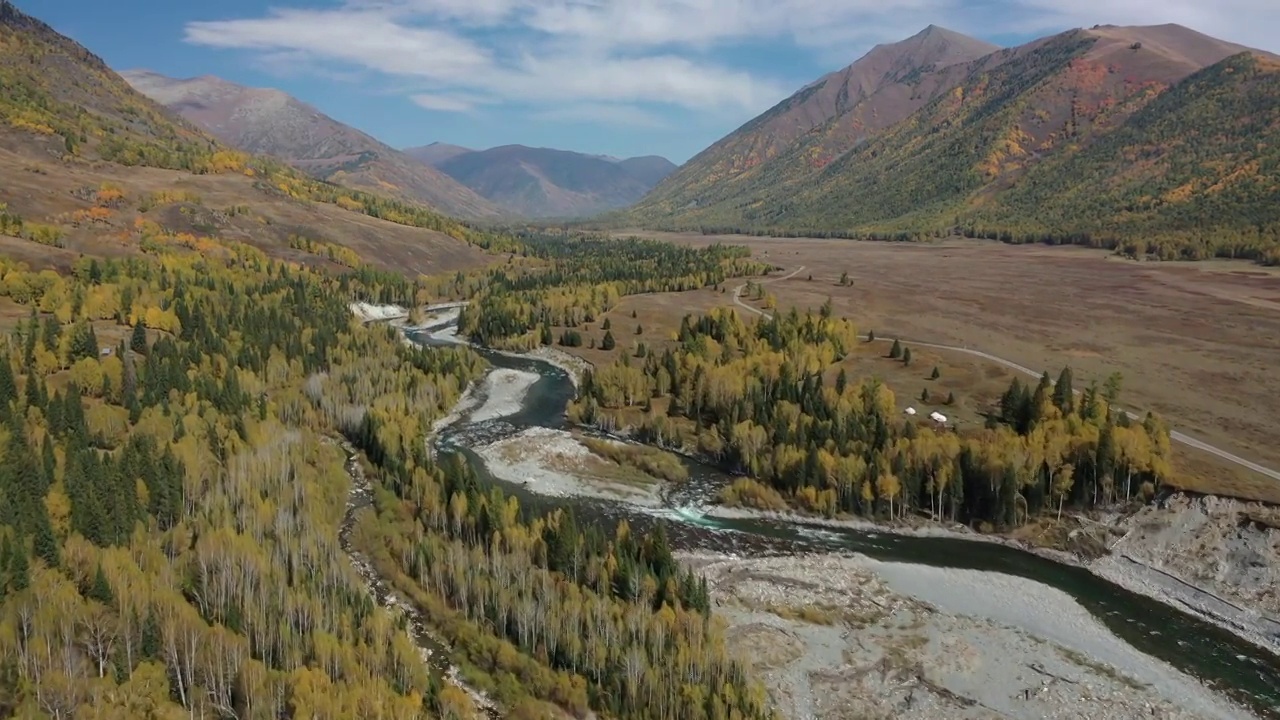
{"type": "Point", "coordinates": [1210, 557]}
{"type": "Point", "coordinates": [836, 637]}
{"type": "Point", "coordinates": [1122, 568]}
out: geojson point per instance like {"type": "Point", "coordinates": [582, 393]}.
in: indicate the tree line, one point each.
{"type": "Point", "coordinates": [571, 281]}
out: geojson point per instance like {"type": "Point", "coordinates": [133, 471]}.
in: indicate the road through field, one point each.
{"type": "Point", "coordinates": [1173, 434]}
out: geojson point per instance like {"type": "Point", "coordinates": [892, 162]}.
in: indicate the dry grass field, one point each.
{"type": "Point", "coordinates": [44, 190]}
{"type": "Point", "coordinates": [1197, 342]}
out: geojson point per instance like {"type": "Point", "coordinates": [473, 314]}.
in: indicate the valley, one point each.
{"type": "Point", "coordinates": [297, 424]}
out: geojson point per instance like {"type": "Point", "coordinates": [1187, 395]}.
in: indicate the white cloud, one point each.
{"type": "Point", "coordinates": [593, 57]}
{"type": "Point", "coordinates": [604, 114]}
{"type": "Point", "coordinates": [444, 103]}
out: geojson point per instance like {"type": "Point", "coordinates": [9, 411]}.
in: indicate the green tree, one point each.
{"type": "Point", "coordinates": [895, 352]}
{"type": "Point", "coordinates": [607, 343]}
{"type": "Point", "coordinates": [935, 374]}
{"type": "Point", "coordinates": [138, 342]}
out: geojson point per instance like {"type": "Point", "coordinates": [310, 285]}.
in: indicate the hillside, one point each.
{"type": "Point", "coordinates": [542, 182]}
{"type": "Point", "coordinates": [836, 111]}
{"type": "Point", "coordinates": [269, 122]}
{"type": "Point", "coordinates": [91, 165]}
{"type": "Point", "coordinates": [1043, 142]}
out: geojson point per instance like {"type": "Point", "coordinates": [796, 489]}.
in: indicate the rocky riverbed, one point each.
{"type": "Point", "coordinates": [837, 637]}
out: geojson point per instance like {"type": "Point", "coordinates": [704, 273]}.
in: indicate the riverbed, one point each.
{"type": "Point", "coordinates": [1177, 659]}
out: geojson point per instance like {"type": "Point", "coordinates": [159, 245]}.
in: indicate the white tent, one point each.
{"type": "Point", "coordinates": [938, 417]}
{"type": "Point", "coordinates": [910, 411]}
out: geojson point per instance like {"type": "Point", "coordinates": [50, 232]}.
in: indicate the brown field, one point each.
{"type": "Point", "coordinates": [1197, 343]}
{"type": "Point", "coordinates": [41, 189]}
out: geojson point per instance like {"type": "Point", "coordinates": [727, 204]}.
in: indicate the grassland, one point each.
{"type": "Point", "coordinates": [1195, 342]}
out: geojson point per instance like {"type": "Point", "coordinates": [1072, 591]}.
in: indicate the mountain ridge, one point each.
{"type": "Point", "coordinates": [987, 127]}
{"type": "Point", "coordinates": [271, 122]}
{"type": "Point", "coordinates": [883, 86]}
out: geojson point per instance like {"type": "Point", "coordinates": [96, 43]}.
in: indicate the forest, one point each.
{"type": "Point", "coordinates": [171, 493]}
{"type": "Point", "coordinates": [573, 280]}
{"type": "Point", "coordinates": [761, 399]}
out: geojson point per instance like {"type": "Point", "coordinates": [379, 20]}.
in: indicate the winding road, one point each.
{"type": "Point", "coordinates": [1174, 435]}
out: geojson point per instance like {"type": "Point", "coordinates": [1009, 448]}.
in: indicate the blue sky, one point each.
{"type": "Point", "coordinates": [618, 77]}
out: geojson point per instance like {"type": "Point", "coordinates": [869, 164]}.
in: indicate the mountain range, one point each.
{"type": "Point", "coordinates": [270, 122]}
{"type": "Point", "coordinates": [1099, 135]}
{"type": "Point", "coordinates": [542, 182]}
{"type": "Point", "coordinates": [508, 181]}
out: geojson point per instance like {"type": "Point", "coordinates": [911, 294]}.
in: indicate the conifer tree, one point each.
{"type": "Point", "coordinates": [895, 352]}
{"type": "Point", "coordinates": [138, 342]}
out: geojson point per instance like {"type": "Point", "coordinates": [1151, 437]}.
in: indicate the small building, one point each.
{"type": "Point", "coordinates": [938, 417]}
{"type": "Point", "coordinates": [104, 352]}
{"type": "Point", "coordinates": [910, 411]}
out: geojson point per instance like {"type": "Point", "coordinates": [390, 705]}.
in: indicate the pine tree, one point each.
{"type": "Point", "coordinates": [101, 589]}
{"type": "Point", "coordinates": [951, 398]}
{"type": "Point", "coordinates": [44, 544]}
{"type": "Point", "coordinates": [935, 374]}
{"type": "Point", "coordinates": [906, 356]}
{"type": "Point", "coordinates": [607, 325]}
{"type": "Point", "coordinates": [924, 395]}
{"type": "Point", "coordinates": [1063, 392]}
{"type": "Point", "coordinates": [842, 381]}
{"type": "Point", "coordinates": [8, 386]}
{"type": "Point", "coordinates": [607, 343]}
{"type": "Point", "coordinates": [895, 352]}
{"type": "Point", "coordinates": [138, 343]}
{"type": "Point", "coordinates": [19, 570]}
{"type": "Point", "coordinates": [639, 329]}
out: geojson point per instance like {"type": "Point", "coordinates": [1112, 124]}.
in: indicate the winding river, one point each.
{"type": "Point", "coordinates": [1239, 669]}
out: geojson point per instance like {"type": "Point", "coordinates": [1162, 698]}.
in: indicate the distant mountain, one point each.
{"type": "Point", "coordinates": [648, 169]}
{"type": "Point", "coordinates": [1100, 135]}
{"type": "Point", "coordinates": [842, 108]}
{"type": "Point", "coordinates": [542, 182]}
{"type": "Point", "coordinates": [270, 122]}
{"type": "Point", "coordinates": [436, 152]}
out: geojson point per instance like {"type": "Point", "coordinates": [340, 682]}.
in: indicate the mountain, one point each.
{"type": "Point", "coordinates": [1039, 141]}
{"type": "Point", "coordinates": [270, 122]}
{"type": "Point", "coordinates": [543, 183]}
{"type": "Point", "coordinates": [879, 89]}
{"type": "Point", "coordinates": [93, 167]}
{"type": "Point", "coordinates": [436, 152]}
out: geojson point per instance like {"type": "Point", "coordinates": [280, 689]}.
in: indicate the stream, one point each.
{"type": "Point", "coordinates": [1226, 663]}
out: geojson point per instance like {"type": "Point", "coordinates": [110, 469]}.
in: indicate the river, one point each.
{"type": "Point", "coordinates": [1228, 664]}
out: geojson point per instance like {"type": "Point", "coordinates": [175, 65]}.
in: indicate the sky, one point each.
{"type": "Point", "coordinates": [614, 77]}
